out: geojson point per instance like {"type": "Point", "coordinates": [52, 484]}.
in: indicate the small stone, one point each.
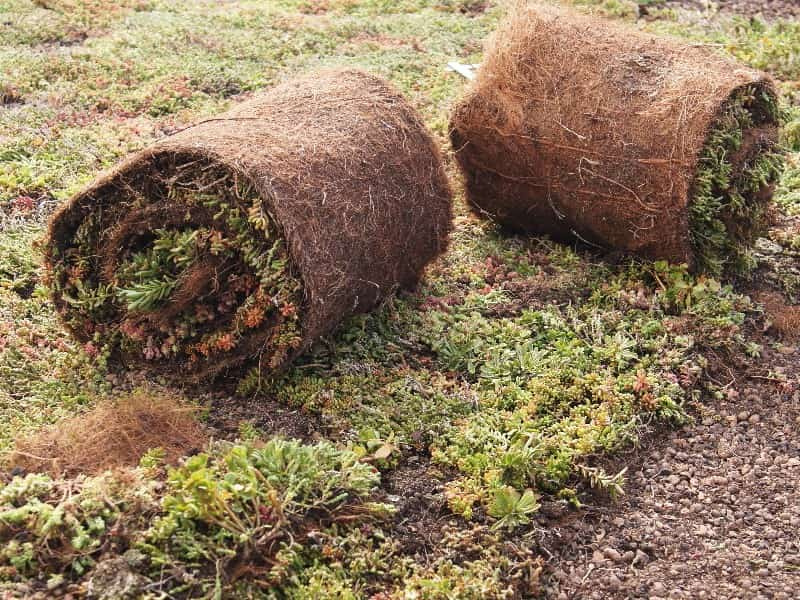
{"type": "Point", "coordinates": [612, 554]}
{"type": "Point", "coordinates": [614, 582]}
{"type": "Point", "coordinates": [658, 588]}
{"type": "Point", "coordinates": [754, 418]}
{"type": "Point", "coordinates": [114, 578]}
{"type": "Point", "coordinates": [641, 558]}
{"type": "Point", "coordinates": [742, 416]}
{"type": "Point", "coordinates": [705, 531]}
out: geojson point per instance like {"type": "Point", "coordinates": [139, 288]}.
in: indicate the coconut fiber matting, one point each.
{"type": "Point", "coordinates": [249, 235]}
{"type": "Point", "coordinates": [577, 127]}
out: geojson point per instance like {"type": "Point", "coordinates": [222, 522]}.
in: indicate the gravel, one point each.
{"type": "Point", "coordinates": [767, 9]}
{"type": "Point", "coordinates": [711, 510]}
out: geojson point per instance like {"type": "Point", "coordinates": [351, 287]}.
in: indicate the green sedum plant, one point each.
{"type": "Point", "coordinates": [241, 508]}
{"type": "Point", "coordinates": [236, 517]}
{"type": "Point", "coordinates": [52, 526]}
{"type": "Point", "coordinates": [727, 195]}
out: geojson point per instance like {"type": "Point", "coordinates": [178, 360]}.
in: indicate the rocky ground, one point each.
{"type": "Point", "coordinates": [711, 511]}
{"type": "Point", "coordinates": [770, 9]}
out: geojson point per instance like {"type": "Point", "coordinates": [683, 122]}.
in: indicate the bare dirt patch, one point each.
{"type": "Point", "coordinates": [422, 509]}
{"type": "Point", "coordinates": [271, 417]}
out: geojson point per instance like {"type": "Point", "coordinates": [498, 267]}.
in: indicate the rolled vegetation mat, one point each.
{"type": "Point", "coordinates": [251, 234]}
{"type": "Point", "coordinates": [580, 128]}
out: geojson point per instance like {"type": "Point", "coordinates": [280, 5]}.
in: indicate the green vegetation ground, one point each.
{"type": "Point", "coordinates": [506, 378]}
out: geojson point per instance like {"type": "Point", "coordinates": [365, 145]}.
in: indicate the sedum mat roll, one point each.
{"type": "Point", "coordinates": [249, 235]}
{"type": "Point", "coordinates": [581, 128]}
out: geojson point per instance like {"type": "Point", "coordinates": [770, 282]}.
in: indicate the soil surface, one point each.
{"type": "Point", "coordinates": [768, 9]}
{"type": "Point", "coordinates": [227, 412]}
{"type": "Point", "coordinates": [711, 509]}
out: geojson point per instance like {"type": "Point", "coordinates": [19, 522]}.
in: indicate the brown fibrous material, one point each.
{"type": "Point", "coordinates": [344, 167]}
{"type": "Point", "coordinates": [584, 129]}
{"type": "Point", "coordinates": [783, 318]}
{"type": "Point", "coordinates": [115, 433]}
